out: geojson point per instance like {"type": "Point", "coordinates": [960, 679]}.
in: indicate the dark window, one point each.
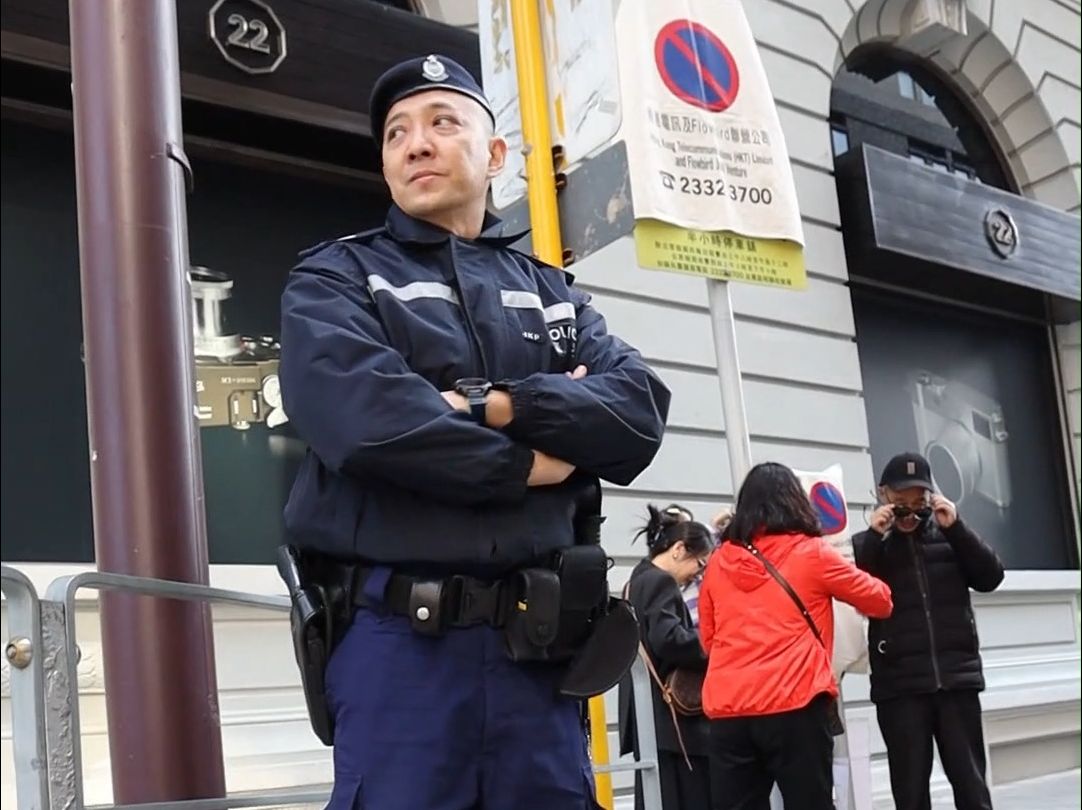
{"type": "Point", "coordinates": [909, 88]}
{"type": "Point", "coordinates": [839, 140]}
{"type": "Point", "coordinates": [884, 100]}
{"type": "Point", "coordinates": [941, 159]}
{"type": "Point", "coordinates": [970, 391]}
{"type": "Point", "coordinates": [242, 221]}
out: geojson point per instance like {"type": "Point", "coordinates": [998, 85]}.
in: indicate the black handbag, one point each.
{"type": "Point", "coordinates": [834, 715]}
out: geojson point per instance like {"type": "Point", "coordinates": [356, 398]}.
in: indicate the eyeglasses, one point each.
{"type": "Point", "coordinates": [904, 511]}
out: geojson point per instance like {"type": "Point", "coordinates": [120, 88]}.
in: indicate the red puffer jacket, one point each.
{"type": "Point", "coordinates": [763, 656]}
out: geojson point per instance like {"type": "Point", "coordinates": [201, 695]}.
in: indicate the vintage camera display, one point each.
{"type": "Point", "coordinates": [963, 434]}
{"type": "Point", "coordinates": [236, 375]}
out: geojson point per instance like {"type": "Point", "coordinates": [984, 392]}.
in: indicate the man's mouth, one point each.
{"type": "Point", "coordinates": [423, 176]}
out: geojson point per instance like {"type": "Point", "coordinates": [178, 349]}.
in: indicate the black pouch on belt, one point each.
{"type": "Point", "coordinates": [533, 615]}
{"type": "Point", "coordinates": [584, 592]}
{"type": "Point", "coordinates": [598, 634]}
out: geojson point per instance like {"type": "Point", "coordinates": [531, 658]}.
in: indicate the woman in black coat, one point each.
{"type": "Point", "coordinates": [677, 549]}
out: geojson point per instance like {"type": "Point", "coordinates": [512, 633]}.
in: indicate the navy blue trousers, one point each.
{"type": "Point", "coordinates": [450, 723]}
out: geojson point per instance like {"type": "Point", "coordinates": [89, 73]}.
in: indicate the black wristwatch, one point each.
{"type": "Point", "coordinates": [474, 389]}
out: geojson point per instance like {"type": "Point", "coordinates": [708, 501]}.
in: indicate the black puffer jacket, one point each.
{"type": "Point", "coordinates": [930, 641]}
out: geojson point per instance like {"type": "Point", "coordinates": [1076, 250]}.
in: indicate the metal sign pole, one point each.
{"type": "Point", "coordinates": [737, 438]}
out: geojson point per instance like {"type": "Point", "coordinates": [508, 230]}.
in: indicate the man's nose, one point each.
{"type": "Point", "coordinates": [419, 146]}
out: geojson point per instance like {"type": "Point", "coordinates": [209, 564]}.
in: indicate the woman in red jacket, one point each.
{"type": "Point", "coordinates": [769, 686]}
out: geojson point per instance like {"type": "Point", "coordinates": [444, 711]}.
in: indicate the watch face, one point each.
{"type": "Point", "coordinates": [469, 385]}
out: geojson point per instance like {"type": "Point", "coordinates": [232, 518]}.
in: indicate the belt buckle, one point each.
{"type": "Point", "coordinates": [476, 602]}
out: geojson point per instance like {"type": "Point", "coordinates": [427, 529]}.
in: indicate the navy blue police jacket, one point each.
{"type": "Point", "coordinates": [376, 325]}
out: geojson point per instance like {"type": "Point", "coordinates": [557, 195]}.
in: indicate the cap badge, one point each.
{"type": "Point", "coordinates": [910, 468]}
{"type": "Point", "coordinates": [433, 69]}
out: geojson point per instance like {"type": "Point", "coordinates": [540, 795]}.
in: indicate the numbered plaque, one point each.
{"type": "Point", "coordinates": [248, 34]}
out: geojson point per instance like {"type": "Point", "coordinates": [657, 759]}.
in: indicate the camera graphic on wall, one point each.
{"type": "Point", "coordinates": [963, 435]}
{"type": "Point", "coordinates": [236, 376]}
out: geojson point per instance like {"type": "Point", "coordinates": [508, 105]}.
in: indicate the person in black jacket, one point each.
{"type": "Point", "coordinates": [925, 659]}
{"type": "Point", "coordinates": [677, 550]}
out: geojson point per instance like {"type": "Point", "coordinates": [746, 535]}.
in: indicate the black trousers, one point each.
{"type": "Point", "coordinates": [793, 749]}
{"type": "Point", "coordinates": [953, 720]}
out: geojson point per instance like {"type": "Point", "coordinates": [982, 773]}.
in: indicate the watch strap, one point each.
{"type": "Point", "coordinates": [476, 400]}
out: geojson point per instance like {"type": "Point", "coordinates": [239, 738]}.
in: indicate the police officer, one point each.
{"type": "Point", "coordinates": [460, 400]}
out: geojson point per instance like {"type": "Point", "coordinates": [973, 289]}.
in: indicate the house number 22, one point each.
{"type": "Point", "coordinates": [248, 35]}
{"type": "Point", "coordinates": [242, 28]}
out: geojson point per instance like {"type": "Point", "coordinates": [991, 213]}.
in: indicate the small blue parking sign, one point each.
{"type": "Point", "coordinates": [696, 66]}
{"type": "Point", "coordinates": [829, 506]}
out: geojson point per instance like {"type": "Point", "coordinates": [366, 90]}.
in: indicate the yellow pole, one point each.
{"type": "Point", "coordinates": [599, 751]}
{"type": "Point", "coordinates": [537, 142]}
{"type": "Point", "coordinates": [545, 226]}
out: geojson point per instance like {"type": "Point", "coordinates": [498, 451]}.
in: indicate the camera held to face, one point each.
{"type": "Point", "coordinates": [236, 376]}
{"type": "Point", "coordinates": [963, 435]}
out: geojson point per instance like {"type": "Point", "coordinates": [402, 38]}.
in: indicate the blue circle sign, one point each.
{"type": "Point", "coordinates": [696, 66]}
{"type": "Point", "coordinates": [829, 506]}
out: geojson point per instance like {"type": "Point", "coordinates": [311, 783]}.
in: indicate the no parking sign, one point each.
{"type": "Point", "coordinates": [710, 177]}
{"type": "Point", "coordinates": [829, 504]}
{"type": "Point", "coordinates": [696, 66]}
{"type": "Point", "coordinates": [827, 495]}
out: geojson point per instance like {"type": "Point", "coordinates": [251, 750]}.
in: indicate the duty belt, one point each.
{"type": "Point", "coordinates": [433, 605]}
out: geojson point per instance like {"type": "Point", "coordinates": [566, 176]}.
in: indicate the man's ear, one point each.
{"type": "Point", "coordinates": [497, 156]}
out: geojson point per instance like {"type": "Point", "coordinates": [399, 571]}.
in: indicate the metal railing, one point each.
{"type": "Point", "coordinates": [45, 710]}
{"type": "Point", "coordinates": [647, 762]}
{"type": "Point", "coordinates": [24, 653]}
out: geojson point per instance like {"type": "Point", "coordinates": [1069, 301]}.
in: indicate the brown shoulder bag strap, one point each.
{"type": "Point", "coordinates": [665, 694]}
{"type": "Point", "coordinates": [774, 572]}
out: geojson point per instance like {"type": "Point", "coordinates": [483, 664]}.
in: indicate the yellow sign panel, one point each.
{"type": "Point", "coordinates": [722, 255]}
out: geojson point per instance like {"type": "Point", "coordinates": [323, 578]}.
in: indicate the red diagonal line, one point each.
{"type": "Point", "coordinates": [828, 507]}
{"type": "Point", "coordinates": [707, 76]}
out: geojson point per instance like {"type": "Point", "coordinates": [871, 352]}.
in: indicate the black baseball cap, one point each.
{"type": "Point", "coordinates": [432, 72]}
{"type": "Point", "coordinates": [907, 470]}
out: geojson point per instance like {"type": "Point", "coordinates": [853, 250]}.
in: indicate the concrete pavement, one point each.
{"type": "Point", "coordinates": [1058, 791]}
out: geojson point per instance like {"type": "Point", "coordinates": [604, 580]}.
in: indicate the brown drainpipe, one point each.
{"type": "Point", "coordinates": [146, 473]}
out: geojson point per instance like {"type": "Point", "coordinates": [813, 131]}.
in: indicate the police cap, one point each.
{"type": "Point", "coordinates": [432, 72]}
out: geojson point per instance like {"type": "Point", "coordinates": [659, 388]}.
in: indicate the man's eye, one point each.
{"type": "Point", "coordinates": [445, 120]}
